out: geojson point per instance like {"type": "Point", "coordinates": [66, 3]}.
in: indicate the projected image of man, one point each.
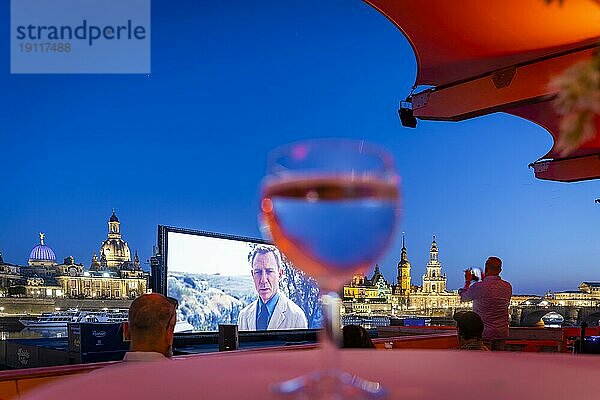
{"type": "Point", "coordinates": [272, 309]}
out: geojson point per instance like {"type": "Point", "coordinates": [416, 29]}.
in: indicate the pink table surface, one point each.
{"type": "Point", "coordinates": [408, 374]}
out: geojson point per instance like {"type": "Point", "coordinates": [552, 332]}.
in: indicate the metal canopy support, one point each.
{"type": "Point", "coordinates": [529, 84]}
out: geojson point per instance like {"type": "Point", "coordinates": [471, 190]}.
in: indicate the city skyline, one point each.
{"type": "Point", "coordinates": [390, 278]}
{"type": "Point", "coordinates": [186, 145]}
{"type": "Point", "coordinates": [79, 259]}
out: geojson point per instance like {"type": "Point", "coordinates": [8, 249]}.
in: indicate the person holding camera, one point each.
{"type": "Point", "coordinates": [491, 298]}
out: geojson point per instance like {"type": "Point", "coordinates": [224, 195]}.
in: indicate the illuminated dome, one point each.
{"type": "Point", "coordinates": [114, 250]}
{"type": "Point", "coordinates": [42, 255]}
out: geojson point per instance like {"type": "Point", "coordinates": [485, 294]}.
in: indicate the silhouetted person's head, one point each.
{"type": "Point", "coordinates": [470, 325]}
{"type": "Point", "coordinates": [493, 266]}
{"type": "Point", "coordinates": [357, 337]}
{"type": "Point", "coordinates": [151, 324]}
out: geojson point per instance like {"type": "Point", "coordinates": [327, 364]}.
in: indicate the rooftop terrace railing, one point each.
{"type": "Point", "coordinates": [15, 383]}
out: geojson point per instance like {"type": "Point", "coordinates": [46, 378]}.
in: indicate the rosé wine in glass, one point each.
{"type": "Point", "coordinates": [332, 228]}
{"type": "Point", "coordinates": [331, 206]}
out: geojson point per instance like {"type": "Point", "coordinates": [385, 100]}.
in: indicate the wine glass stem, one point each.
{"type": "Point", "coordinates": [331, 337]}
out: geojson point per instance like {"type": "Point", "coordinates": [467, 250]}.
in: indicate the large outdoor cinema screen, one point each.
{"type": "Point", "coordinates": [224, 279]}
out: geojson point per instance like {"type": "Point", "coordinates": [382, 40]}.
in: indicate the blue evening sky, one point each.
{"type": "Point", "coordinates": [186, 146]}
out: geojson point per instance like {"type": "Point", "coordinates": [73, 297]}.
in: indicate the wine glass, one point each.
{"type": "Point", "coordinates": [331, 206]}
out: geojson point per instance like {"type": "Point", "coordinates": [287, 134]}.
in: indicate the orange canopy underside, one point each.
{"type": "Point", "coordinates": [456, 40]}
{"type": "Point", "coordinates": [459, 45]}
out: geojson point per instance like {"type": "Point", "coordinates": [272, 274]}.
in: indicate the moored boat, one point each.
{"type": "Point", "coordinates": [60, 319]}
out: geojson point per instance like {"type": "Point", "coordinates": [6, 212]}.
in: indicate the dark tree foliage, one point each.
{"type": "Point", "coordinates": [303, 291]}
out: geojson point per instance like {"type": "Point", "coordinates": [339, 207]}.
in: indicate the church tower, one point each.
{"type": "Point", "coordinates": [114, 251]}
{"type": "Point", "coordinates": [433, 280]}
{"type": "Point", "coordinates": [403, 272]}
{"type": "Point", "coordinates": [114, 227]}
{"type": "Point", "coordinates": [136, 262]}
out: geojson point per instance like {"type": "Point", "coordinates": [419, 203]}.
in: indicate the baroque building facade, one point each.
{"type": "Point", "coordinates": [375, 296]}
{"type": "Point", "coordinates": [588, 295]}
{"type": "Point", "coordinates": [375, 302]}
{"type": "Point", "coordinates": [364, 296]}
{"type": "Point", "coordinates": [113, 276]}
{"type": "Point", "coordinates": [433, 294]}
{"type": "Point", "coordinates": [9, 275]}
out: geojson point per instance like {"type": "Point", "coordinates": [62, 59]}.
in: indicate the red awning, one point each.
{"type": "Point", "coordinates": [581, 164]}
{"type": "Point", "coordinates": [488, 56]}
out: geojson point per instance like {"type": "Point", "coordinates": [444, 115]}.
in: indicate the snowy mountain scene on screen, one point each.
{"type": "Point", "coordinates": [207, 300]}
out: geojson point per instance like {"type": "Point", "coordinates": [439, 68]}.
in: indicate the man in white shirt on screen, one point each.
{"type": "Point", "coordinates": [272, 309]}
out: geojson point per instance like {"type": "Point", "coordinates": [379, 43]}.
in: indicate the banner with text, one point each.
{"type": "Point", "coordinates": [80, 36]}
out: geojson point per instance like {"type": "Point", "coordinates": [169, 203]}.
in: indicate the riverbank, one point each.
{"type": "Point", "coordinates": [19, 306]}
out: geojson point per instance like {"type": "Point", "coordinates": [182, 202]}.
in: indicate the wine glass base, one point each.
{"type": "Point", "coordinates": [329, 385]}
